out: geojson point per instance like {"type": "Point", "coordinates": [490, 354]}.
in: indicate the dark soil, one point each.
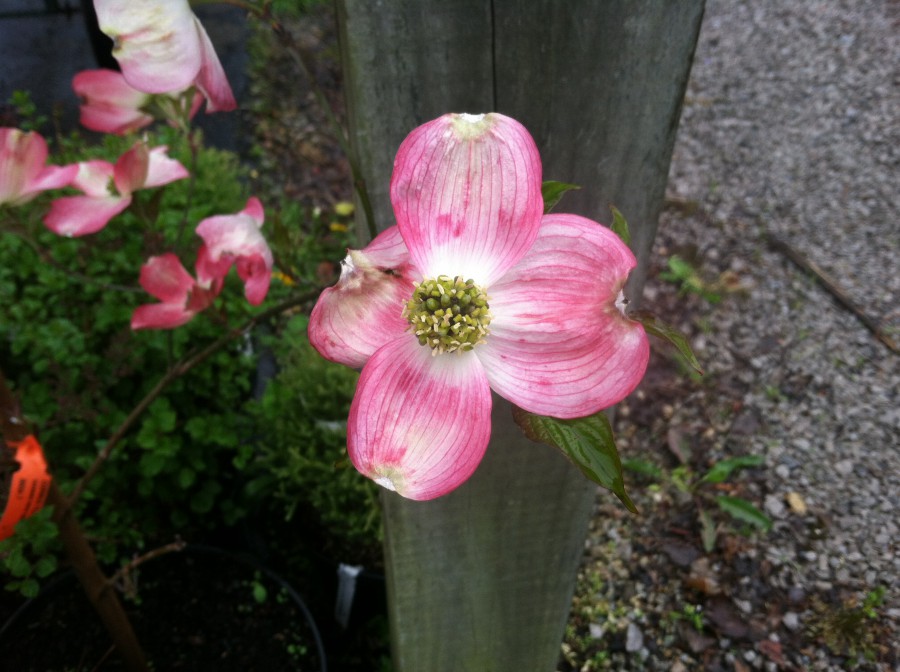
{"type": "Point", "coordinates": [191, 610]}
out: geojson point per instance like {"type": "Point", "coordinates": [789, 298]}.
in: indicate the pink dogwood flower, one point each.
{"type": "Point", "coordinates": [108, 189]}
{"type": "Point", "coordinates": [109, 104]}
{"type": "Point", "coordinates": [473, 290]}
{"type": "Point", "coordinates": [237, 240]}
{"type": "Point", "coordinates": [162, 47]}
{"type": "Point", "coordinates": [23, 170]}
{"type": "Point", "coordinates": [180, 295]}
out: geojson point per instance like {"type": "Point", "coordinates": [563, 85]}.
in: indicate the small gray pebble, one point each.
{"type": "Point", "coordinates": [791, 620]}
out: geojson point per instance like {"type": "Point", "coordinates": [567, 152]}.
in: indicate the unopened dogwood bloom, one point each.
{"type": "Point", "coordinates": [237, 240]}
{"type": "Point", "coordinates": [162, 47]}
{"type": "Point", "coordinates": [23, 170]}
{"type": "Point", "coordinates": [181, 296]}
{"type": "Point", "coordinates": [109, 104]}
{"type": "Point", "coordinates": [473, 290]}
{"type": "Point", "coordinates": [108, 189]}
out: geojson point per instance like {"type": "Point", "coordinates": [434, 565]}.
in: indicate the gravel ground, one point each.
{"type": "Point", "coordinates": [790, 128]}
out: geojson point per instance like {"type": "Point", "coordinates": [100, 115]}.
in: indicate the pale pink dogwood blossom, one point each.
{"type": "Point", "coordinates": [473, 290]}
{"type": "Point", "coordinates": [162, 47]}
{"type": "Point", "coordinates": [23, 170]}
{"type": "Point", "coordinates": [109, 104]}
{"type": "Point", "coordinates": [180, 295]}
{"type": "Point", "coordinates": [237, 239]}
{"type": "Point", "coordinates": [229, 240]}
{"type": "Point", "coordinates": [108, 189]}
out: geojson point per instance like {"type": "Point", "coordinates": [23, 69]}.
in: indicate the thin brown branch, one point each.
{"type": "Point", "coordinates": [176, 371]}
{"type": "Point", "coordinates": [81, 555]}
{"type": "Point", "coordinates": [120, 576]}
{"type": "Point", "coordinates": [84, 563]}
{"type": "Point", "coordinates": [832, 287]}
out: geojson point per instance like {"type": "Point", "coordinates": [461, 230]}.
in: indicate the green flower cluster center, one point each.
{"type": "Point", "coordinates": [448, 314]}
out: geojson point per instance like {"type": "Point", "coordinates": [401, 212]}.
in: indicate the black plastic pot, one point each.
{"type": "Point", "coordinates": [198, 609]}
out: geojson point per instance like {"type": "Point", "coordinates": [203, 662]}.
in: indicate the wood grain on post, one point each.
{"type": "Point", "coordinates": [481, 580]}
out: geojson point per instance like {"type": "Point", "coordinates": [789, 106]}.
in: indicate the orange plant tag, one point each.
{"type": "Point", "coordinates": [29, 486]}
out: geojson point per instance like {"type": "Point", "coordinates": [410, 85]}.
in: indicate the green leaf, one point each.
{"type": "Point", "coordinates": [660, 329]}
{"type": "Point", "coordinates": [29, 588]}
{"type": "Point", "coordinates": [553, 191]}
{"type": "Point", "coordinates": [186, 477]}
{"type": "Point", "coordinates": [45, 566]}
{"type": "Point", "coordinates": [259, 592]}
{"type": "Point", "coordinates": [722, 470]}
{"type": "Point", "coordinates": [620, 226]}
{"type": "Point", "coordinates": [743, 510]}
{"type": "Point", "coordinates": [680, 271]}
{"type": "Point", "coordinates": [17, 565]}
{"type": "Point", "coordinates": [587, 442]}
{"type": "Point", "coordinates": [708, 531]}
{"type": "Point", "coordinates": [643, 467]}
{"type": "Point", "coordinates": [152, 464]}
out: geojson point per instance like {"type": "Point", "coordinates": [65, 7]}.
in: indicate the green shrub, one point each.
{"type": "Point", "coordinates": [79, 370]}
{"type": "Point", "coordinates": [302, 458]}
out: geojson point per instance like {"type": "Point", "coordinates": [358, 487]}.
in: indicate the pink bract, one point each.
{"type": "Point", "coordinates": [181, 296]}
{"type": "Point", "coordinates": [374, 282]}
{"type": "Point", "coordinates": [466, 191]}
{"type": "Point", "coordinates": [23, 173]}
{"type": "Point", "coordinates": [237, 240]}
{"type": "Point", "coordinates": [107, 189]}
{"type": "Point", "coordinates": [162, 47]}
{"type": "Point", "coordinates": [109, 104]}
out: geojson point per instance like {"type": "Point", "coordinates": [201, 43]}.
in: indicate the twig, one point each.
{"type": "Point", "coordinates": [176, 371]}
{"type": "Point", "coordinates": [832, 287]}
{"type": "Point", "coordinates": [78, 550]}
{"type": "Point", "coordinates": [84, 563]}
{"type": "Point", "coordinates": [174, 547]}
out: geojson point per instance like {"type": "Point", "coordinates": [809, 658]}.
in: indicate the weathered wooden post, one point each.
{"type": "Point", "coordinates": [481, 580]}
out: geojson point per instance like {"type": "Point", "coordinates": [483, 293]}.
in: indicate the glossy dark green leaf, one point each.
{"type": "Point", "coordinates": [587, 442]}
{"type": "Point", "coordinates": [722, 470]}
{"type": "Point", "coordinates": [620, 226]}
{"type": "Point", "coordinates": [660, 329]}
{"type": "Point", "coordinates": [743, 510]}
{"type": "Point", "coordinates": [553, 191]}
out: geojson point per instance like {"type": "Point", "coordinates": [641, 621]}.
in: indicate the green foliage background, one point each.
{"type": "Point", "coordinates": [302, 430]}
{"type": "Point", "coordinates": [205, 456]}
{"type": "Point", "coordinates": [66, 344]}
